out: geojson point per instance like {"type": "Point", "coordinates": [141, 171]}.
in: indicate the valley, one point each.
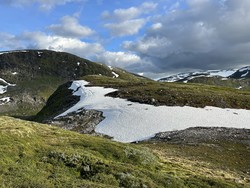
{"type": "Point", "coordinates": [45, 94]}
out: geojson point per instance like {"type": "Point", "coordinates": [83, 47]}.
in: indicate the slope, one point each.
{"type": "Point", "coordinates": [37, 155]}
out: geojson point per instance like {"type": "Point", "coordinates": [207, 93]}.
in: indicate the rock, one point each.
{"type": "Point", "coordinates": [83, 121]}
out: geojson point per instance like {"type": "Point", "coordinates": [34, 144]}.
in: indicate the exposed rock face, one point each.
{"type": "Point", "coordinates": [83, 121]}
{"type": "Point", "coordinates": [196, 135]}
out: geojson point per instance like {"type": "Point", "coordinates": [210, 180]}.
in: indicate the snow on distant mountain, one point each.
{"type": "Point", "coordinates": [241, 73]}
{"type": "Point", "coordinates": [127, 121]}
{"type": "Point", "coordinates": [185, 77]}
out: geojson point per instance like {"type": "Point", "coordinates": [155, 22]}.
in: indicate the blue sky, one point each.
{"type": "Point", "coordinates": [154, 37]}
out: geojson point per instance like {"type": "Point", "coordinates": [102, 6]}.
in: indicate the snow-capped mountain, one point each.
{"type": "Point", "coordinates": [230, 73]}
{"type": "Point", "coordinates": [241, 73]}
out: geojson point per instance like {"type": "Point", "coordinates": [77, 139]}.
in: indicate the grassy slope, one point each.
{"type": "Point", "coordinates": [224, 159]}
{"type": "Point", "coordinates": [37, 155]}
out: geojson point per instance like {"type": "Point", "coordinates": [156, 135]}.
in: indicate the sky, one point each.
{"type": "Point", "coordinates": [154, 38]}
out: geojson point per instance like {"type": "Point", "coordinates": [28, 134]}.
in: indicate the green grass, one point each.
{"type": "Point", "coordinates": [37, 155]}
{"type": "Point", "coordinates": [228, 160]}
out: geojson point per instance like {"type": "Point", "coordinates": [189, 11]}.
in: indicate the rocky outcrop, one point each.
{"type": "Point", "coordinates": [196, 135]}
{"type": "Point", "coordinates": [82, 121]}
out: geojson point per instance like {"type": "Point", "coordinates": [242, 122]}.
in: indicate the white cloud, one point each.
{"type": "Point", "coordinates": [119, 59]}
{"type": "Point", "coordinates": [129, 13]}
{"type": "Point", "coordinates": [9, 41]}
{"type": "Point", "coordinates": [148, 7]}
{"type": "Point", "coordinates": [205, 35]}
{"type": "Point", "coordinates": [128, 21]}
{"type": "Point", "coordinates": [156, 26]}
{"type": "Point", "coordinates": [152, 46]}
{"type": "Point", "coordinates": [39, 40]}
{"type": "Point", "coordinates": [128, 27]}
{"type": "Point", "coordinates": [122, 14]}
{"type": "Point", "coordinates": [44, 4]}
{"type": "Point", "coordinates": [70, 27]}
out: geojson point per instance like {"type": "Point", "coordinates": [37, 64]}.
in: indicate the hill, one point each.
{"type": "Point", "coordinates": [28, 78]}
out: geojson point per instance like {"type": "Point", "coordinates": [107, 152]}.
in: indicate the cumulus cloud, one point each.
{"type": "Point", "coordinates": [70, 27]}
{"type": "Point", "coordinates": [9, 41]}
{"type": "Point", "coordinates": [127, 21]}
{"type": "Point", "coordinates": [40, 40]}
{"type": "Point", "coordinates": [44, 4]}
{"type": "Point", "coordinates": [128, 27]}
{"type": "Point", "coordinates": [204, 35]}
{"type": "Point", "coordinates": [130, 13]}
{"type": "Point", "coordinates": [126, 60]}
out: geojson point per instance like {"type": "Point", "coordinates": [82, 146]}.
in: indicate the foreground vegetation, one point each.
{"type": "Point", "coordinates": [218, 159]}
{"type": "Point", "coordinates": [37, 155]}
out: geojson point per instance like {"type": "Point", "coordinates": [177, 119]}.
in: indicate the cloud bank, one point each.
{"type": "Point", "coordinates": [204, 34]}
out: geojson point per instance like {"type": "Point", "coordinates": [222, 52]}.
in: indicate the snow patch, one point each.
{"type": "Point", "coordinates": [244, 69]}
{"type": "Point", "coordinates": [3, 88]}
{"type": "Point", "coordinates": [39, 54]}
{"type": "Point", "coordinates": [14, 73]}
{"type": "Point", "coordinates": [5, 100]}
{"type": "Point", "coordinates": [222, 73]}
{"type": "Point", "coordinates": [7, 52]}
{"type": "Point", "coordinates": [243, 75]}
{"type": "Point", "coordinates": [129, 121]}
{"type": "Point", "coordinates": [111, 68]}
{"type": "Point", "coordinates": [78, 63]}
{"type": "Point", "coordinates": [115, 75]}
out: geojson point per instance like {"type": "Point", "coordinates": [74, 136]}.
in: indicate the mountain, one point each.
{"type": "Point", "coordinates": [186, 77]}
{"type": "Point", "coordinates": [238, 79]}
{"type": "Point", "coordinates": [241, 73]}
{"type": "Point", "coordinates": [29, 77]}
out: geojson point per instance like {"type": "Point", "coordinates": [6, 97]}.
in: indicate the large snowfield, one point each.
{"type": "Point", "coordinates": [129, 121]}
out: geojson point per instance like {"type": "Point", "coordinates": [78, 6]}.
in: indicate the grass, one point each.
{"type": "Point", "coordinates": [224, 159]}
{"type": "Point", "coordinates": [38, 155]}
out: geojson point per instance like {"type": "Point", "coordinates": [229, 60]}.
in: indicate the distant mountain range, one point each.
{"type": "Point", "coordinates": [222, 74]}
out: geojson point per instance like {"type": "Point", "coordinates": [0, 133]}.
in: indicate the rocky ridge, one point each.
{"type": "Point", "coordinates": [198, 135]}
